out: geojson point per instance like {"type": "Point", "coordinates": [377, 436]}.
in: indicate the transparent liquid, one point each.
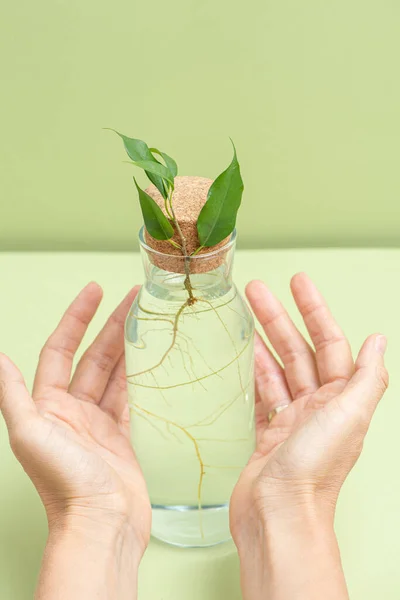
{"type": "Point", "coordinates": [191, 393]}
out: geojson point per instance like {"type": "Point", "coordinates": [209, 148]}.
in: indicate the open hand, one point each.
{"type": "Point", "coordinates": [72, 435]}
{"type": "Point", "coordinates": [307, 450]}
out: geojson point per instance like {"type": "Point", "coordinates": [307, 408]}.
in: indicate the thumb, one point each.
{"type": "Point", "coordinates": [371, 379]}
{"type": "Point", "coordinates": [16, 403]}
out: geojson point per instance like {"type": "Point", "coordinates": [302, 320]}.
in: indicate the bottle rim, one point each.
{"type": "Point", "coordinates": [197, 257]}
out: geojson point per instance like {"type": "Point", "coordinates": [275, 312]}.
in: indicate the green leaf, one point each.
{"type": "Point", "coordinates": [138, 150]}
{"type": "Point", "coordinates": [171, 164]}
{"type": "Point", "coordinates": [155, 221]}
{"type": "Point", "coordinates": [217, 218]}
{"type": "Point", "coordinates": [155, 168]}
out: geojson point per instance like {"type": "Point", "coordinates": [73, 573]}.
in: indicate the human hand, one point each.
{"type": "Point", "coordinates": [72, 435]}
{"type": "Point", "coordinates": [307, 450]}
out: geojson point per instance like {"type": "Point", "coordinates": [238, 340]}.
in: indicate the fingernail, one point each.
{"type": "Point", "coordinates": [380, 344]}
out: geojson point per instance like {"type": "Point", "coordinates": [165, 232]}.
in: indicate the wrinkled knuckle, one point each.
{"type": "Point", "coordinates": [78, 317]}
{"type": "Point", "coordinates": [291, 353]}
{"type": "Point", "coordinates": [116, 319]}
{"type": "Point", "coordinates": [120, 383]}
{"type": "Point", "coordinates": [48, 345]}
{"type": "Point", "coordinates": [61, 347]}
{"type": "Point", "coordinates": [324, 341]}
{"type": "Point", "coordinates": [310, 308]}
{"type": "Point", "coordinates": [102, 361]}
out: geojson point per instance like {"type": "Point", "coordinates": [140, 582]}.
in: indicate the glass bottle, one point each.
{"type": "Point", "coordinates": [191, 391]}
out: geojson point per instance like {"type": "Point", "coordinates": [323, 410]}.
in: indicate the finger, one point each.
{"type": "Point", "coordinates": [333, 353]}
{"type": "Point", "coordinates": [16, 404]}
{"type": "Point", "coordinates": [271, 387]}
{"type": "Point", "coordinates": [97, 363]}
{"type": "Point", "coordinates": [55, 362]}
{"type": "Point", "coordinates": [370, 379]}
{"type": "Point", "coordinates": [115, 397]}
{"type": "Point", "coordinates": [296, 354]}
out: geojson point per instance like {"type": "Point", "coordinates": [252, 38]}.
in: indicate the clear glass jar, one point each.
{"type": "Point", "coordinates": [191, 392]}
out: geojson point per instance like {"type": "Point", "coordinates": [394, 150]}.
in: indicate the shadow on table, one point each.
{"type": "Point", "coordinates": [169, 573]}
{"type": "Point", "coordinates": [23, 534]}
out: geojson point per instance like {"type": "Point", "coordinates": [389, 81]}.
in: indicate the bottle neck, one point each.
{"type": "Point", "coordinates": [206, 275]}
{"type": "Point", "coordinates": [173, 286]}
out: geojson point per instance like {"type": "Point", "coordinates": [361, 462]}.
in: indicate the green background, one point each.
{"type": "Point", "coordinates": [309, 90]}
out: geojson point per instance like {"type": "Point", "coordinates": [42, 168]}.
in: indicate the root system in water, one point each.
{"type": "Point", "coordinates": [190, 376]}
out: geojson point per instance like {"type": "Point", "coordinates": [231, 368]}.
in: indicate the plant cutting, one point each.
{"type": "Point", "coordinates": [189, 349]}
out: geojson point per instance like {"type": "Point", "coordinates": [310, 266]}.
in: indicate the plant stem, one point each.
{"type": "Point", "coordinates": [186, 257]}
{"type": "Point", "coordinates": [167, 209]}
{"type": "Point", "coordinates": [174, 244]}
{"type": "Point", "coordinates": [197, 250]}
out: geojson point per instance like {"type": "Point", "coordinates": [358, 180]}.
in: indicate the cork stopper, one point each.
{"type": "Point", "coordinates": [190, 195]}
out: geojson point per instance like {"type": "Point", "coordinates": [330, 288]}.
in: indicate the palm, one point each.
{"type": "Point", "coordinates": [285, 423]}
{"type": "Point", "coordinates": [74, 438]}
{"type": "Point", "coordinates": [307, 384]}
{"type": "Point", "coordinates": [83, 434]}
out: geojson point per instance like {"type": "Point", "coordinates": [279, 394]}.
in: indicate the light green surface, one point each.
{"type": "Point", "coordinates": [308, 90]}
{"type": "Point", "coordinates": [362, 287]}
